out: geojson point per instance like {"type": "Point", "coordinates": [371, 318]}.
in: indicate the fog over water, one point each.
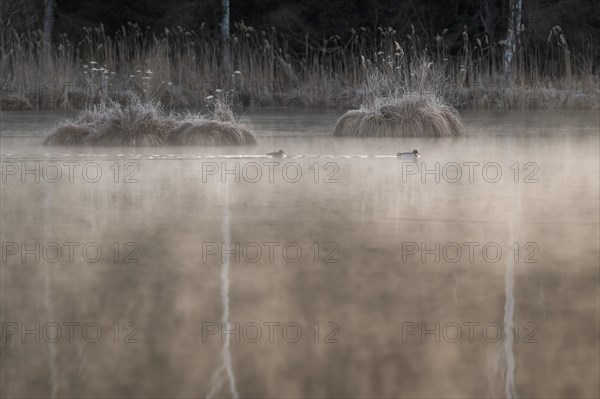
{"type": "Point", "coordinates": [498, 228]}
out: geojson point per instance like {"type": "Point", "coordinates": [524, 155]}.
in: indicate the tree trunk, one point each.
{"type": "Point", "coordinates": [488, 14]}
{"type": "Point", "coordinates": [48, 27]}
{"type": "Point", "coordinates": [514, 26]}
{"type": "Point", "coordinates": [225, 37]}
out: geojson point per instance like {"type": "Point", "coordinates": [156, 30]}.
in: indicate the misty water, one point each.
{"type": "Point", "coordinates": [373, 257]}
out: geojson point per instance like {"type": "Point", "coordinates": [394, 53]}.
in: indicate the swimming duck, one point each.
{"type": "Point", "coordinates": [278, 154]}
{"type": "Point", "coordinates": [412, 155]}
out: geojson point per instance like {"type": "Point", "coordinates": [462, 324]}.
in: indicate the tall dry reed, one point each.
{"type": "Point", "coordinates": [186, 67]}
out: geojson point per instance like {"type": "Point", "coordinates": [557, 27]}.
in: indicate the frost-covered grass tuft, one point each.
{"type": "Point", "coordinates": [139, 123]}
{"type": "Point", "coordinates": [409, 115]}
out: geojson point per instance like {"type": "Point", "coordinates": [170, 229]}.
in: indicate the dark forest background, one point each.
{"type": "Point", "coordinates": [318, 18]}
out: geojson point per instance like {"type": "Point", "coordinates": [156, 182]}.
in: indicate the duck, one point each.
{"type": "Point", "coordinates": [278, 154]}
{"type": "Point", "coordinates": [411, 155]}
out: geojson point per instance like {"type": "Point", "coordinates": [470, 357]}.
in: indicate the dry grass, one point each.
{"type": "Point", "coordinates": [199, 131]}
{"type": "Point", "coordinates": [140, 123]}
{"type": "Point", "coordinates": [329, 73]}
{"type": "Point", "coordinates": [15, 103]}
{"type": "Point", "coordinates": [410, 115]}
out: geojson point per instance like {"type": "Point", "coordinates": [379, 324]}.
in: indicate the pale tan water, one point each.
{"type": "Point", "coordinates": [369, 293]}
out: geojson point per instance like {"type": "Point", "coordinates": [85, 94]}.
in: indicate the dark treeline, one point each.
{"type": "Point", "coordinates": [319, 18]}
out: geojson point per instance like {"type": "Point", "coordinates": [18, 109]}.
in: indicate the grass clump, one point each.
{"type": "Point", "coordinates": [410, 115]}
{"type": "Point", "coordinates": [138, 123]}
{"type": "Point", "coordinates": [402, 102]}
{"type": "Point", "coordinates": [14, 103]}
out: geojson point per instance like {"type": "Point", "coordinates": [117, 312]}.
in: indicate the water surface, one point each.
{"type": "Point", "coordinates": [363, 207]}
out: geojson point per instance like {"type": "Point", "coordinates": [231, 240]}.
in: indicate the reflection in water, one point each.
{"type": "Point", "coordinates": [509, 306]}
{"type": "Point", "coordinates": [48, 274]}
{"type": "Point", "coordinates": [217, 377]}
{"type": "Point", "coordinates": [369, 210]}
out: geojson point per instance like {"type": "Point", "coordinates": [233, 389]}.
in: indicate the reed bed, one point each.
{"type": "Point", "coordinates": [145, 123]}
{"type": "Point", "coordinates": [270, 69]}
